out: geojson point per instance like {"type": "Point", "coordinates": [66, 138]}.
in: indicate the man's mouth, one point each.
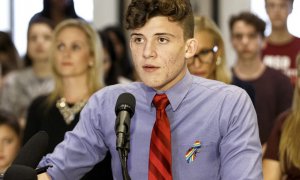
{"type": "Point", "coordinates": [150, 68]}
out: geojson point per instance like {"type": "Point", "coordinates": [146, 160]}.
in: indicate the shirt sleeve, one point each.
{"type": "Point", "coordinates": [240, 147]}
{"type": "Point", "coordinates": [81, 149]}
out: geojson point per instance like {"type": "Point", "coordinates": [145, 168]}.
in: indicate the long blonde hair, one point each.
{"type": "Point", "coordinates": [95, 72]}
{"type": "Point", "coordinates": [289, 147]}
{"type": "Point", "coordinates": [221, 73]}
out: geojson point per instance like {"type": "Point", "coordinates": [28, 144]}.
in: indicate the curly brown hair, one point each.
{"type": "Point", "coordinates": [251, 19]}
{"type": "Point", "coordinates": [140, 11]}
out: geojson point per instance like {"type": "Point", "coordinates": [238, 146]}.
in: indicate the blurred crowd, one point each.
{"type": "Point", "coordinates": [67, 60]}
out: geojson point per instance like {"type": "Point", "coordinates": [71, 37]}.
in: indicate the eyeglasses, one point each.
{"type": "Point", "coordinates": [203, 56]}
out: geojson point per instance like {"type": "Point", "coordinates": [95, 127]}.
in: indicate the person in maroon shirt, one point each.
{"type": "Point", "coordinates": [282, 159]}
{"type": "Point", "coordinates": [281, 47]}
{"type": "Point", "coordinates": [273, 90]}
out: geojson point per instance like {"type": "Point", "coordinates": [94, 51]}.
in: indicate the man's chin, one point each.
{"type": "Point", "coordinates": [155, 84]}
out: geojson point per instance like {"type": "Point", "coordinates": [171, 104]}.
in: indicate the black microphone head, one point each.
{"type": "Point", "coordinates": [126, 101]}
{"type": "Point", "coordinates": [33, 151]}
{"type": "Point", "coordinates": [20, 172]}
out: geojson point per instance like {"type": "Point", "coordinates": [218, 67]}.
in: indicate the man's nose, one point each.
{"type": "Point", "coordinates": [149, 50]}
{"type": "Point", "coordinates": [245, 39]}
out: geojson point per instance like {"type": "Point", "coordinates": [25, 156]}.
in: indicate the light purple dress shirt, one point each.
{"type": "Point", "coordinates": [220, 116]}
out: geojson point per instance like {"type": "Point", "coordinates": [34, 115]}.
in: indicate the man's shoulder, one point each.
{"type": "Point", "coordinates": [294, 41]}
{"type": "Point", "coordinates": [297, 40]}
{"type": "Point", "coordinates": [113, 91]}
{"type": "Point", "coordinates": [214, 86]}
{"type": "Point", "coordinates": [275, 73]}
{"type": "Point", "coordinates": [277, 78]}
{"type": "Point", "coordinates": [126, 87]}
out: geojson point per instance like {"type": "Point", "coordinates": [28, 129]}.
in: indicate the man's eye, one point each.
{"type": "Point", "coordinates": [283, 6]}
{"type": "Point", "coordinates": [138, 40]}
{"type": "Point", "coordinates": [238, 36]}
{"type": "Point", "coordinates": [47, 37]}
{"type": "Point", "coordinates": [33, 38]}
{"type": "Point", "coordinates": [252, 36]}
{"type": "Point", "coordinates": [162, 40]}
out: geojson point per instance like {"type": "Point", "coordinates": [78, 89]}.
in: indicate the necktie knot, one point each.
{"type": "Point", "coordinates": [160, 101]}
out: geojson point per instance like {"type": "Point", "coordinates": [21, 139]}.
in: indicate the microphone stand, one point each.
{"type": "Point", "coordinates": [123, 154]}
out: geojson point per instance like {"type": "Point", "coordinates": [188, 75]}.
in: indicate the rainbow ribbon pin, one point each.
{"type": "Point", "coordinates": [190, 155]}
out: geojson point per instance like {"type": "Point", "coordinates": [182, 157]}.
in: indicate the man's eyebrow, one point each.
{"type": "Point", "coordinates": [156, 34]}
{"type": "Point", "coordinates": [164, 34]}
{"type": "Point", "coordinates": [135, 34]}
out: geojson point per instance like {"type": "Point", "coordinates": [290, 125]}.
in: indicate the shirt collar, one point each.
{"type": "Point", "coordinates": [175, 94]}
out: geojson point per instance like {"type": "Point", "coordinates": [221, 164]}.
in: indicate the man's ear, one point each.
{"type": "Point", "coordinates": [191, 48]}
{"type": "Point", "coordinates": [264, 43]}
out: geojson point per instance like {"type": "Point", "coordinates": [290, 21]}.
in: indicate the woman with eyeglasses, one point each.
{"type": "Point", "coordinates": [210, 61]}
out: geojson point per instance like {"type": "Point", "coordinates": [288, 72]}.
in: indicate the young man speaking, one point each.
{"type": "Point", "coordinates": [184, 127]}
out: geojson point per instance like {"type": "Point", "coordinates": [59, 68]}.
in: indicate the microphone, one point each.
{"type": "Point", "coordinates": [19, 172]}
{"type": "Point", "coordinates": [33, 151]}
{"type": "Point", "coordinates": [124, 109]}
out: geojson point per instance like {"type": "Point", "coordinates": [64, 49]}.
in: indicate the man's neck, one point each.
{"type": "Point", "coordinates": [280, 36]}
{"type": "Point", "coordinates": [249, 69]}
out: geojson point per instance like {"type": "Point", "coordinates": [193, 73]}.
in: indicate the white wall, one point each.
{"type": "Point", "coordinates": [4, 11]}
{"type": "Point", "coordinates": [227, 9]}
{"type": "Point", "coordinates": [105, 13]}
{"type": "Point", "coordinates": [202, 7]}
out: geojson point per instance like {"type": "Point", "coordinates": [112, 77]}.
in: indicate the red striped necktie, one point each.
{"type": "Point", "coordinates": [160, 156]}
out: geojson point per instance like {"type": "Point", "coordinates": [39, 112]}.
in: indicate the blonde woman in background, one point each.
{"type": "Point", "coordinates": [210, 59]}
{"type": "Point", "coordinates": [77, 70]}
{"type": "Point", "coordinates": [282, 159]}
